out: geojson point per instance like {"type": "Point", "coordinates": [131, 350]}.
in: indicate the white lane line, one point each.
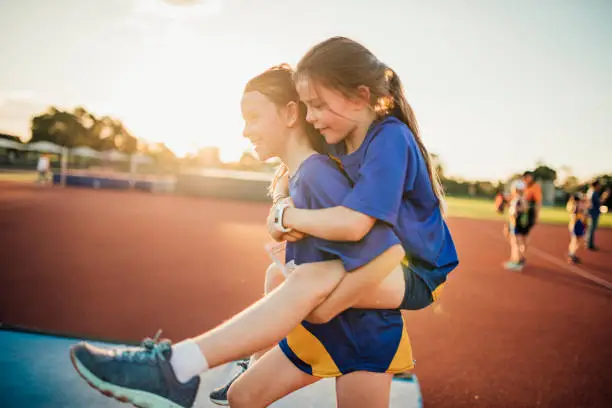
{"type": "Point", "coordinates": [554, 260]}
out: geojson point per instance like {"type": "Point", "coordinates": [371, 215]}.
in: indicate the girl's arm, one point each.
{"type": "Point", "coordinates": [389, 170]}
{"type": "Point", "coordinates": [279, 193]}
{"type": "Point", "coordinates": [333, 224]}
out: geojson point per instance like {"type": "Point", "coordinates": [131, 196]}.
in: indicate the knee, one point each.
{"type": "Point", "coordinates": [274, 277]}
{"type": "Point", "coordinates": [239, 396]}
{"type": "Point", "coordinates": [316, 279]}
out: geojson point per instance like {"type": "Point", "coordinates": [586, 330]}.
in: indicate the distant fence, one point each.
{"type": "Point", "coordinates": [240, 185]}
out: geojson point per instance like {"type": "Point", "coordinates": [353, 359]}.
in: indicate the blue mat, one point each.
{"type": "Point", "coordinates": [77, 180]}
{"type": "Point", "coordinates": [35, 372]}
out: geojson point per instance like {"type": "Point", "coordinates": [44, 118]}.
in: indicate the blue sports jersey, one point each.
{"type": "Point", "coordinates": [319, 183]}
{"type": "Point", "coordinates": [356, 339]}
{"type": "Point", "coordinates": [391, 184]}
{"type": "Point", "coordinates": [595, 197]}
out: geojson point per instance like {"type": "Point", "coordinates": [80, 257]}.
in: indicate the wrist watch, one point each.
{"type": "Point", "coordinates": [278, 197]}
{"type": "Point", "coordinates": [278, 213]}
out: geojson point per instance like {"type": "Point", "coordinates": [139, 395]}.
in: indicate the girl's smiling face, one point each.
{"type": "Point", "coordinates": [263, 125]}
{"type": "Point", "coordinates": [334, 115]}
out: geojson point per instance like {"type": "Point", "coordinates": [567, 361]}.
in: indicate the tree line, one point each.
{"type": "Point", "coordinates": [79, 127]}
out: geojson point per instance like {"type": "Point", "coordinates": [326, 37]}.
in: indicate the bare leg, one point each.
{"type": "Point", "coordinates": [573, 246]}
{"type": "Point", "coordinates": [274, 278]}
{"type": "Point", "coordinates": [270, 319]}
{"type": "Point", "coordinates": [514, 249]}
{"type": "Point", "coordinates": [579, 243]}
{"type": "Point", "coordinates": [520, 247]}
{"type": "Point", "coordinates": [388, 295]}
{"type": "Point", "coordinates": [363, 389]}
{"type": "Point", "coordinates": [525, 245]}
{"type": "Point", "coordinates": [273, 377]}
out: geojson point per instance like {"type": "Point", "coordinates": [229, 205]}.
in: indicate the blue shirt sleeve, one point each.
{"type": "Point", "coordinates": [326, 186]}
{"type": "Point", "coordinates": [389, 170]}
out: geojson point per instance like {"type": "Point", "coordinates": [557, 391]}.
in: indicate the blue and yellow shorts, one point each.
{"type": "Point", "coordinates": [578, 229]}
{"type": "Point", "coordinates": [417, 294]}
{"type": "Point", "coordinates": [355, 340]}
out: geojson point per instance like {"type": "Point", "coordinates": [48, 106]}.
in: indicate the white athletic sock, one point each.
{"type": "Point", "coordinates": [187, 360]}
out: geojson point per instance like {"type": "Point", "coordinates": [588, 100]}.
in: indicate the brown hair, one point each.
{"type": "Point", "coordinates": [277, 85]}
{"type": "Point", "coordinates": [344, 65]}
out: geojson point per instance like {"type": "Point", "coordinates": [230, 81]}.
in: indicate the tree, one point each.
{"type": "Point", "coordinates": [57, 126]}
{"type": "Point", "coordinates": [485, 188]}
{"type": "Point", "coordinates": [543, 172]}
{"type": "Point", "coordinates": [80, 127]}
{"type": "Point", "coordinates": [570, 184]}
{"type": "Point", "coordinates": [123, 140]}
{"type": "Point", "coordinates": [160, 153]}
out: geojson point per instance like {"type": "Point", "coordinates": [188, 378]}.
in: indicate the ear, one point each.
{"type": "Point", "coordinates": [363, 96]}
{"type": "Point", "coordinates": [292, 114]}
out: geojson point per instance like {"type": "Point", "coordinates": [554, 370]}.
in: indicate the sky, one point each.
{"type": "Point", "coordinates": [496, 85]}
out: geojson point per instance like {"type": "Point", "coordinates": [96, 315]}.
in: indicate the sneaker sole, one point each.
{"type": "Point", "coordinates": [223, 403]}
{"type": "Point", "coordinates": [139, 399]}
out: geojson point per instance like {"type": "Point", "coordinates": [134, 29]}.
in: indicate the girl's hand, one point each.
{"type": "Point", "coordinates": [277, 234]}
{"type": "Point", "coordinates": [293, 236]}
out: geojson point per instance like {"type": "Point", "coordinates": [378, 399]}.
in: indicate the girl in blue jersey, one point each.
{"type": "Point", "coordinates": [517, 226]}
{"type": "Point", "coordinates": [577, 206]}
{"type": "Point", "coordinates": [358, 103]}
{"type": "Point", "coordinates": [362, 348]}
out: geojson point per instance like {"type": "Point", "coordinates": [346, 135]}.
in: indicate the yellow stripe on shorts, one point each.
{"type": "Point", "coordinates": [311, 351]}
{"type": "Point", "coordinates": [403, 360]}
{"type": "Point", "coordinates": [438, 292]}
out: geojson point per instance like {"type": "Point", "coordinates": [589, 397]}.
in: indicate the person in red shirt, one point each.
{"type": "Point", "coordinates": [533, 197]}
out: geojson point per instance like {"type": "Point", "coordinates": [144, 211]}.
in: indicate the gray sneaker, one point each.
{"type": "Point", "coordinates": [141, 376]}
{"type": "Point", "coordinates": [513, 266]}
{"type": "Point", "coordinates": [219, 395]}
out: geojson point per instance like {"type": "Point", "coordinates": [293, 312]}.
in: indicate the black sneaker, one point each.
{"type": "Point", "coordinates": [141, 376]}
{"type": "Point", "coordinates": [219, 395]}
{"type": "Point", "coordinates": [406, 376]}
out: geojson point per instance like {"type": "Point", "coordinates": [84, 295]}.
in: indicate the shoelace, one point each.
{"type": "Point", "coordinates": [240, 367]}
{"type": "Point", "coordinates": [150, 349]}
{"type": "Point", "coordinates": [244, 364]}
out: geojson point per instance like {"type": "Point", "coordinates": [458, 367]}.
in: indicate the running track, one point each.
{"type": "Point", "coordinates": [118, 266]}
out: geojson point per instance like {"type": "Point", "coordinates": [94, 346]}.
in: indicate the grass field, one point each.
{"type": "Point", "coordinates": [479, 208]}
{"type": "Point", "coordinates": [22, 176]}
{"type": "Point", "coordinates": [485, 209]}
